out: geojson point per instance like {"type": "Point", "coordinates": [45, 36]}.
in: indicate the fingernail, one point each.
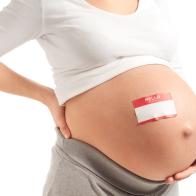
{"type": "Point", "coordinates": [64, 133]}
{"type": "Point", "coordinates": [67, 135]}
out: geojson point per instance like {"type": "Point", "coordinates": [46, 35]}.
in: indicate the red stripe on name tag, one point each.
{"type": "Point", "coordinates": [157, 118]}
{"type": "Point", "coordinates": [151, 99]}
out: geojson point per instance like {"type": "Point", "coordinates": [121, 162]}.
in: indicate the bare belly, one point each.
{"type": "Point", "coordinates": [104, 117]}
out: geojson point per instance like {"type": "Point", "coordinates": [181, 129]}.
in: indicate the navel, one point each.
{"type": "Point", "coordinates": [187, 130]}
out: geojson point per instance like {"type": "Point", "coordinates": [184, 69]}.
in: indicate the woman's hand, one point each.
{"type": "Point", "coordinates": [183, 174]}
{"type": "Point", "coordinates": [58, 113]}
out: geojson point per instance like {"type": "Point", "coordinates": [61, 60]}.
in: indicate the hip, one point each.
{"type": "Point", "coordinates": [78, 168]}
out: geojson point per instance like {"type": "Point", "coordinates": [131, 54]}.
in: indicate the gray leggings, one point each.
{"type": "Point", "coordinates": [79, 169]}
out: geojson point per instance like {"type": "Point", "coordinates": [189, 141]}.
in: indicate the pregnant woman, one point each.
{"type": "Point", "coordinates": [130, 115]}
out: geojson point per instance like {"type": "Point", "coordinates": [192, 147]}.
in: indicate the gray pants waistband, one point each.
{"type": "Point", "coordinates": [106, 168]}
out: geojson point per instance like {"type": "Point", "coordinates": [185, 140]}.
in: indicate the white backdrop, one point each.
{"type": "Point", "coordinates": [26, 126]}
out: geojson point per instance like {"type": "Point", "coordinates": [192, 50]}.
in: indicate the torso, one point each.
{"type": "Point", "coordinates": [104, 117]}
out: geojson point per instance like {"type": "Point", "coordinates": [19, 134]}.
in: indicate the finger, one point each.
{"type": "Point", "coordinates": [66, 132]}
{"type": "Point", "coordinates": [64, 127]}
{"type": "Point", "coordinates": [170, 180]}
{"type": "Point", "coordinates": [186, 173]}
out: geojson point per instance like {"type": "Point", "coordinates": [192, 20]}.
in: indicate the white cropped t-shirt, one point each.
{"type": "Point", "coordinates": [86, 45]}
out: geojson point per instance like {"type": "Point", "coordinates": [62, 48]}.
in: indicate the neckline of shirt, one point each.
{"type": "Point", "coordinates": [102, 11]}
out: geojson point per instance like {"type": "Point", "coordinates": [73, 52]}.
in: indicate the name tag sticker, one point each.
{"type": "Point", "coordinates": [154, 107]}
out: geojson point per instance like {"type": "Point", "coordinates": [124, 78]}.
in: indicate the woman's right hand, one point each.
{"type": "Point", "coordinates": [183, 174]}
{"type": "Point", "coordinates": [58, 113]}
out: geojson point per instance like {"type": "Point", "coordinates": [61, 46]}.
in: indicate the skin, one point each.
{"type": "Point", "coordinates": [103, 95]}
{"type": "Point", "coordinates": [45, 95]}
{"type": "Point", "coordinates": [183, 174]}
{"type": "Point", "coordinates": [116, 6]}
{"type": "Point", "coordinates": [14, 83]}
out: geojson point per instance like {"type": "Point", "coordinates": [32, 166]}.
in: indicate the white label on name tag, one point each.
{"type": "Point", "coordinates": [154, 107]}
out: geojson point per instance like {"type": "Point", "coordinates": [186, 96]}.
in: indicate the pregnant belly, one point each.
{"type": "Point", "coordinates": [104, 118]}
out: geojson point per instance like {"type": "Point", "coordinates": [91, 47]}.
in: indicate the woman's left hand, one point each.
{"type": "Point", "coordinates": [183, 174]}
{"type": "Point", "coordinates": [57, 112]}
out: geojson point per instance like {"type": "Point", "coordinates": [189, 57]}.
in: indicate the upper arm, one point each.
{"type": "Point", "coordinates": [20, 21]}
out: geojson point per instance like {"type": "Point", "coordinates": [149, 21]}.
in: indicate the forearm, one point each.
{"type": "Point", "coordinates": [14, 83]}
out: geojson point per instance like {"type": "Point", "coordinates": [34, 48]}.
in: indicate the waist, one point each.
{"type": "Point", "coordinates": [104, 118]}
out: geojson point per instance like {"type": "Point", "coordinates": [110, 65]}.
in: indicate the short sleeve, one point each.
{"type": "Point", "coordinates": [20, 21]}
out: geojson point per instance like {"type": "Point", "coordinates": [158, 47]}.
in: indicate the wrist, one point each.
{"type": "Point", "coordinates": [47, 95]}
